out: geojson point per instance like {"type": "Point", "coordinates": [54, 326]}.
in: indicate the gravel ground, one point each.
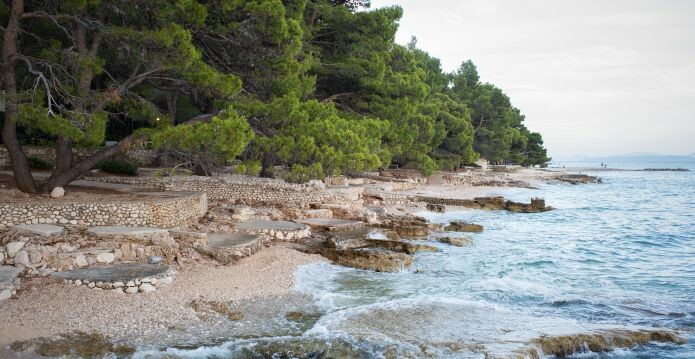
{"type": "Point", "coordinates": [46, 307]}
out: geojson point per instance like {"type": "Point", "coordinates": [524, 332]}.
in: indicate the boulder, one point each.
{"type": "Point", "coordinates": [22, 258]}
{"type": "Point", "coordinates": [459, 226]}
{"type": "Point", "coordinates": [81, 260]}
{"type": "Point", "coordinates": [13, 248]}
{"type": "Point", "coordinates": [58, 192]}
{"type": "Point", "coordinates": [106, 257]}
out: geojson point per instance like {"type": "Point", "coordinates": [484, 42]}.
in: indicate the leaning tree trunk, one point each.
{"type": "Point", "coordinates": [63, 179]}
{"type": "Point", "coordinates": [18, 159]}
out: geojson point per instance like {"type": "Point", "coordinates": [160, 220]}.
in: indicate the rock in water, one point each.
{"type": "Point", "coordinates": [435, 207]}
{"type": "Point", "coordinates": [463, 227]}
{"type": "Point", "coordinates": [458, 242]}
{"type": "Point", "coordinates": [58, 192]}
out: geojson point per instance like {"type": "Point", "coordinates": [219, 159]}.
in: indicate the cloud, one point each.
{"type": "Point", "coordinates": [624, 67]}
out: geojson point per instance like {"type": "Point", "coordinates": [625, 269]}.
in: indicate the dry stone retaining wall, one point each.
{"type": "Point", "coordinates": [156, 212]}
{"type": "Point", "coordinates": [246, 189]}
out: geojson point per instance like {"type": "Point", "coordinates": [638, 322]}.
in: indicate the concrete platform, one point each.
{"type": "Point", "coordinates": [108, 231]}
{"type": "Point", "coordinates": [259, 225]}
{"type": "Point", "coordinates": [45, 230]}
{"type": "Point", "coordinates": [331, 224]}
{"type": "Point", "coordinates": [123, 272]}
{"type": "Point", "coordinates": [231, 240]}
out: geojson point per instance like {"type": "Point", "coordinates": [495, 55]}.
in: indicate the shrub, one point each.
{"type": "Point", "coordinates": [38, 163]}
{"type": "Point", "coordinates": [251, 168]}
{"type": "Point", "coordinates": [119, 166]}
{"type": "Point", "coordinates": [303, 174]}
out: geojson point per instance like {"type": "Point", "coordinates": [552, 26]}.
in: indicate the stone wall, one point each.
{"type": "Point", "coordinates": [167, 211]}
{"type": "Point", "coordinates": [246, 189]}
{"type": "Point", "coordinates": [146, 157]}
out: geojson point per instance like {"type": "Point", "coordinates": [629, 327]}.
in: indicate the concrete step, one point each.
{"type": "Point", "coordinates": [137, 232]}
{"type": "Point", "coordinates": [281, 230]}
{"type": "Point", "coordinates": [228, 248]}
{"type": "Point", "coordinates": [45, 230]}
{"type": "Point", "coordinates": [125, 277]}
{"type": "Point", "coordinates": [331, 224]}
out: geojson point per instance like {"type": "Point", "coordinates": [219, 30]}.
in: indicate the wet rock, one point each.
{"type": "Point", "coordinates": [458, 226]}
{"type": "Point", "coordinates": [204, 308]}
{"type": "Point", "coordinates": [76, 344]}
{"type": "Point", "coordinates": [458, 242]}
{"type": "Point", "coordinates": [439, 208]}
{"type": "Point", "coordinates": [376, 259]}
{"type": "Point", "coordinates": [566, 345]}
{"type": "Point", "coordinates": [578, 179]}
{"type": "Point", "coordinates": [425, 248]}
{"type": "Point", "coordinates": [537, 205]}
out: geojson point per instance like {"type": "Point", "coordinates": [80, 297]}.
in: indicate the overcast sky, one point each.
{"type": "Point", "coordinates": [596, 77]}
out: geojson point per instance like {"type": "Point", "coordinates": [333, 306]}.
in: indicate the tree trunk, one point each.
{"type": "Point", "coordinates": [63, 155]}
{"type": "Point", "coordinates": [20, 165]}
{"type": "Point", "coordinates": [63, 179]}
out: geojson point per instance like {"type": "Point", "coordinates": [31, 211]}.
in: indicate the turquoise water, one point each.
{"type": "Point", "coordinates": [620, 254]}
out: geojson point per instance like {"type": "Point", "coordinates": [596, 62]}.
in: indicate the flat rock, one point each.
{"type": "Point", "coordinates": [123, 272]}
{"type": "Point", "coordinates": [8, 275]}
{"type": "Point", "coordinates": [258, 225]}
{"type": "Point", "coordinates": [332, 224]}
{"type": "Point", "coordinates": [231, 240]}
{"type": "Point", "coordinates": [107, 231]}
{"type": "Point", "coordinates": [45, 230]}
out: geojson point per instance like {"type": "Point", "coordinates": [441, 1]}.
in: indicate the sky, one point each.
{"type": "Point", "coordinates": [594, 77]}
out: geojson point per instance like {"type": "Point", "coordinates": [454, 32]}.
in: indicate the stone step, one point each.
{"type": "Point", "coordinates": [228, 248]}
{"type": "Point", "coordinates": [281, 230]}
{"type": "Point", "coordinates": [125, 277]}
{"type": "Point", "coordinates": [9, 281]}
{"type": "Point", "coordinates": [331, 224]}
{"type": "Point", "coordinates": [137, 232]}
{"type": "Point", "coordinates": [45, 230]}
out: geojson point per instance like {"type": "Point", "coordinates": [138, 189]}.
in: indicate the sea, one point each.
{"type": "Point", "coordinates": [616, 255]}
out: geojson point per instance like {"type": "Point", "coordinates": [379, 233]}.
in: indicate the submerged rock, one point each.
{"type": "Point", "coordinates": [75, 344]}
{"type": "Point", "coordinates": [458, 226]}
{"type": "Point", "coordinates": [206, 308]}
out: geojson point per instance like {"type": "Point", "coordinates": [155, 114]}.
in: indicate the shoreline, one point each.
{"type": "Point", "coordinates": [54, 307]}
{"type": "Point", "coordinates": [174, 314]}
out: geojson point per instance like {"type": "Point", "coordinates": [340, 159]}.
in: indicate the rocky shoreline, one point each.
{"type": "Point", "coordinates": [226, 265]}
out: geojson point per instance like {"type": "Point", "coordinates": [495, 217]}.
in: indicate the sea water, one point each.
{"type": "Point", "coordinates": [619, 254]}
